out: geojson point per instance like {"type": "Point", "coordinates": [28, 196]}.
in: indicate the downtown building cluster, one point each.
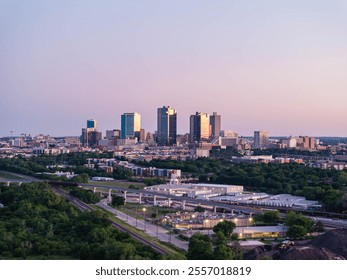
{"type": "Point", "coordinates": [205, 132]}
{"type": "Point", "coordinates": [203, 129]}
{"type": "Point", "coordinates": [132, 142]}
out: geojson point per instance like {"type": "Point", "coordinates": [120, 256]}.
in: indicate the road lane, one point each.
{"type": "Point", "coordinates": [151, 229]}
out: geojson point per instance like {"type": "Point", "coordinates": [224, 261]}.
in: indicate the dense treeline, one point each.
{"type": "Point", "coordinates": [215, 247]}
{"type": "Point", "coordinates": [225, 153]}
{"type": "Point", "coordinates": [35, 223]}
{"type": "Point", "coordinates": [22, 166]}
{"type": "Point", "coordinates": [197, 167]}
{"type": "Point", "coordinates": [291, 152]}
{"type": "Point", "coordinates": [86, 196]}
{"type": "Point", "coordinates": [324, 185]}
{"type": "Point", "coordinates": [75, 161]}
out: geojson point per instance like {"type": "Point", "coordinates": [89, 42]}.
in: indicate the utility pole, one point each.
{"type": "Point", "coordinates": [136, 216]}
{"type": "Point", "coordinates": [144, 218]}
{"type": "Point", "coordinates": [170, 236]}
{"type": "Point", "coordinates": [157, 220]}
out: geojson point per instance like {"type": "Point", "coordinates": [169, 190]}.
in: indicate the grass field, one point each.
{"type": "Point", "coordinates": [136, 210]}
{"type": "Point", "coordinates": [119, 184]}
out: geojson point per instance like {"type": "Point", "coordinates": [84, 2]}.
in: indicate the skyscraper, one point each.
{"type": "Point", "coordinates": [90, 136]}
{"type": "Point", "coordinates": [130, 124]}
{"type": "Point", "coordinates": [199, 127]}
{"type": "Point", "coordinates": [91, 124]}
{"type": "Point", "coordinates": [261, 139]}
{"type": "Point", "coordinates": [215, 122]}
{"type": "Point", "coordinates": [167, 126]}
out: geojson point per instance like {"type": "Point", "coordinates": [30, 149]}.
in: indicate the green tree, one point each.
{"type": "Point", "coordinates": [271, 217]}
{"type": "Point", "coordinates": [296, 231]}
{"type": "Point", "coordinates": [226, 227]}
{"type": "Point", "coordinates": [200, 248]}
{"type": "Point", "coordinates": [223, 252]}
{"type": "Point", "coordinates": [199, 209]}
{"type": "Point", "coordinates": [298, 219]}
{"type": "Point", "coordinates": [117, 200]}
{"type": "Point", "coordinates": [38, 224]}
{"type": "Point", "coordinates": [319, 227]}
{"type": "Point", "coordinates": [82, 178]}
{"type": "Point", "coordinates": [220, 239]}
{"type": "Point", "coordinates": [86, 196]}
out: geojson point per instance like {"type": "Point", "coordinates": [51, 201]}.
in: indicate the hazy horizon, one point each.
{"type": "Point", "coordinates": [279, 66]}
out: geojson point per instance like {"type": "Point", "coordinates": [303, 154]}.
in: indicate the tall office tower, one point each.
{"type": "Point", "coordinates": [261, 139]}
{"type": "Point", "coordinates": [90, 136]}
{"type": "Point", "coordinates": [215, 122]}
{"type": "Point", "coordinates": [130, 124]}
{"type": "Point", "coordinates": [199, 127]}
{"type": "Point", "coordinates": [91, 124]}
{"type": "Point", "coordinates": [167, 126]}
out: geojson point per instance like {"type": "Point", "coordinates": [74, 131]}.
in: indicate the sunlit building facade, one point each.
{"type": "Point", "coordinates": [200, 127]}
{"type": "Point", "coordinates": [130, 125]}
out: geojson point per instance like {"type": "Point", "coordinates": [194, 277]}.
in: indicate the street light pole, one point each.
{"type": "Point", "coordinates": [144, 218]}
{"type": "Point", "coordinates": [157, 221]}
{"type": "Point", "coordinates": [136, 216]}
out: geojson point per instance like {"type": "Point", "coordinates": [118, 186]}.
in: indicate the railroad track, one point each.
{"type": "Point", "coordinates": [85, 207]}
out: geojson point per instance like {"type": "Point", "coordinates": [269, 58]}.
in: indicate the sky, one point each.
{"type": "Point", "coordinates": [272, 65]}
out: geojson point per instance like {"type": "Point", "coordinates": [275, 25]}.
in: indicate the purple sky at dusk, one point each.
{"type": "Point", "coordinates": [274, 65]}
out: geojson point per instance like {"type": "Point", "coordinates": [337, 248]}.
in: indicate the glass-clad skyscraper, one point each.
{"type": "Point", "coordinates": [199, 127]}
{"type": "Point", "coordinates": [130, 124]}
{"type": "Point", "coordinates": [167, 126]}
{"type": "Point", "coordinates": [91, 124]}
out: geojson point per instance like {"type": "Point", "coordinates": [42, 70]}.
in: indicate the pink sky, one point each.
{"type": "Point", "coordinates": [280, 67]}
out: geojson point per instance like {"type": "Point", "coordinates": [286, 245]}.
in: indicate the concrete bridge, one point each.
{"type": "Point", "coordinates": [19, 182]}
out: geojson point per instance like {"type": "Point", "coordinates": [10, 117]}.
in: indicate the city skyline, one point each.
{"type": "Point", "coordinates": [94, 124]}
{"type": "Point", "coordinates": [262, 65]}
